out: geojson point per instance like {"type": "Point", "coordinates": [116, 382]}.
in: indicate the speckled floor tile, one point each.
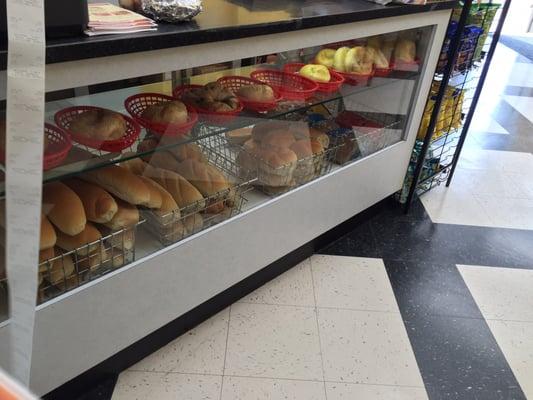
{"type": "Point", "coordinates": [273, 341]}
{"type": "Point", "coordinates": [430, 288]}
{"type": "Point", "coordinates": [508, 212]}
{"type": "Point", "coordinates": [352, 282]}
{"type": "Point", "coordinates": [294, 287]}
{"type": "Point", "coordinates": [516, 342]}
{"type": "Point", "coordinates": [135, 385]}
{"type": "Point", "coordinates": [359, 242]}
{"type": "Point", "coordinates": [238, 388]}
{"type": "Point", "coordinates": [352, 391]}
{"type": "Point", "coordinates": [501, 293]}
{"type": "Point", "coordinates": [366, 347]}
{"type": "Point", "coordinates": [201, 350]}
{"type": "Point", "coordinates": [459, 359]}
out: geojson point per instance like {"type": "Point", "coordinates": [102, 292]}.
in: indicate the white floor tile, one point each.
{"type": "Point", "coordinates": [352, 391]}
{"type": "Point", "coordinates": [235, 388]}
{"type": "Point", "coordinates": [483, 124]}
{"type": "Point", "coordinates": [294, 287]}
{"type": "Point", "coordinates": [273, 341]}
{"type": "Point", "coordinates": [454, 205]}
{"type": "Point", "coordinates": [522, 104]}
{"type": "Point", "coordinates": [506, 161]}
{"type": "Point", "coordinates": [134, 385]}
{"type": "Point", "coordinates": [515, 339]}
{"type": "Point", "coordinates": [507, 212]}
{"type": "Point", "coordinates": [501, 293]}
{"type": "Point", "coordinates": [366, 347]}
{"type": "Point", "coordinates": [352, 282]}
{"type": "Point", "coordinates": [201, 350]}
{"type": "Point", "coordinates": [486, 182]}
{"type": "Point", "coordinates": [523, 180]}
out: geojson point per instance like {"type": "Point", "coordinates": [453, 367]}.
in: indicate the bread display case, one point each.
{"type": "Point", "coordinates": [178, 163]}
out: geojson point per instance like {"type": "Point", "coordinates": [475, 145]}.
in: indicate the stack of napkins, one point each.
{"type": "Point", "coordinates": [105, 18]}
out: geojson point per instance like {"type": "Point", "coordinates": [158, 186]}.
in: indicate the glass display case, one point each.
{"type": "Point", "coordinates": [170, 175]}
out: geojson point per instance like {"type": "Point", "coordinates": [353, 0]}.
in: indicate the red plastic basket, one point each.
{"type": "Point", "coordinates": [354, 79]}
{"type": "Point", "coordinates": [59, 144]}
{"type": "Point", "coordinates": [63, 119]}
{"type": "Point", "coordinates": [291, 86]}
{"type": "Point", "coordinates": [325, 87]}
{"type": "Point", "coordinates": [233, 83]}
{"type": "Point", "coordinates": [216, 117]}
{"type": "Point", "coordinates": [406, 66]}
{"type": "Point", "coordinates": [384, 72]}
{"type": "Point", "coordinates": [348, 119]}
{"type": "Point", "coordinates": [137, 103]}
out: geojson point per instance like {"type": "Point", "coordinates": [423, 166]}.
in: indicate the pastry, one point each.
{"type": "Point", "coordinates": [63, 208]}
{"type": "Point", "coordinates": [99, 124]}
{"type": "Point", "coordinates": [84, 242]}
{"type": "Point", "coordinates": [339, 59]}
{"type": "Point", "coordinates": [99, 205]}
{"type": "Point", "coordinates": [239, 136]}
{"type": "Point", "coordinates": [359, 60]}
{"type": "Point", "coordinates": [380, 61]}
{"type": "Point", "coordinates": [316, 72]}
{"type": "Point", "coordinates": [256, 92]}
{"type": "Point", "coordinates": [405, 51]}
{"type": "Point", "coordinates": [121, 183]}
{"type": "Point", "coordinates": [325, 57]}
{"type": "Point", "coordinates": [166, 112]}
{"type": "Point", "coordinates": [212, 97]}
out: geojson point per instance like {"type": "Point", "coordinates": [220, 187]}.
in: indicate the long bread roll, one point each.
{"type": "Point", "coordinates": [165, 160]}
{"type": "Point", "coordinates": [48, 234]}
{"type": "Point", "coordinates": [183, 192]}
{"type": "Point", "coordinates": [86, 241]}
{"type": "Point", "coordinates": [168, 204]}
{"type": "Point", "coordinates": [205, 177]}
{"type": "Point", "coordinates": [127, 215]}
{"type": "Point", "coordinates": [99, 205]}
{"type": "Point", "coordinates": [135, 166]}
{"type": "Point", "coordinates": [121, 183]}
{"type": "Point", "coordinates": [156, 196]}
{"type": "Point", "coordinates": [65, 209]}
{"type": "Point", "coordinates": [188, 151]}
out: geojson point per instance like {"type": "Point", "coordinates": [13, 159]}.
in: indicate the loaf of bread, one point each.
{"type": "Point", "coordinates": [121, 183]}
{"type": "Point", "coordinates": [64, 208]}
{"type": "Point", "coordinates": [99, 124]}
{"type": "Point", "coordinates": [166, 112]}
{"type": "Point", "coordinates": [205, 177]}
{"type": "Point", "coordinates": [98, 204]}
{"type": "Point", "coordinates": [156, 198]}
{"type": "Point", "coordinates": [84, 242]}
{"type": "Point", "coordinates": [188, 151]}
{"type": "Point", "coordinates": [127, 215]}
{"type": "Point", "coordinates": [183, 192]}
{"type": "Point", "coordinates": [256, 92]}
{"type": "Point", "coordinates": [168, 204]}
{"type": "Point", "coordinates": [48, 234]}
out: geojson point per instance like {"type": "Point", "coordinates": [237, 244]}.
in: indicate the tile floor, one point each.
{"type": "Point", "coordinates": [433, 305]}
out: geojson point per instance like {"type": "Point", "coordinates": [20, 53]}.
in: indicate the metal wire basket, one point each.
{"type": "Point", "coordinates": [179, 224]}
{"type": "Point", "coordinates": [71, 269]}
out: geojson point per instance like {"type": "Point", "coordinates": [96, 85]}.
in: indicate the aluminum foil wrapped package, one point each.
{"type": "Point", "coordinates": [165, 10]}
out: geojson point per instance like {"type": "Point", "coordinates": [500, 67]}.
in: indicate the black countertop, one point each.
{"type": "Point", "coordinates": [226, 20]}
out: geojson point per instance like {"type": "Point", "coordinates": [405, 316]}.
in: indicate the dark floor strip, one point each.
{"type": "Point", "coordinates": [519, 91]}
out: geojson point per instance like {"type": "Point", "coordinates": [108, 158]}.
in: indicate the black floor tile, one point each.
{"type": "Point", "coordinates": [519, 91]}
{"type": "Point", "coordinates": [358, 243]}
{"type": "Point", "coordinates": [425, 288]}
{"type": "Point", "coordinates": [460, 359]}
{"type": "Point", "coordinates": [104, 391]}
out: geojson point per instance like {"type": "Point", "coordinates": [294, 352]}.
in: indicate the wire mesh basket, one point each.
{"type": "Point", "coordinates": [70, 269]}
{"type": "Point", "coordinates": [176, 225]}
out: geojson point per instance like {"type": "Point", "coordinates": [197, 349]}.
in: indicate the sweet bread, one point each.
{"type": "Point", "coordinates": [212, 97]}
{"type": "Point", "coordinates": [99, 124]}
{"type": "Point", "coordinates": [256, 92]}
{"type": "Point", "coordinates": [166, 112]}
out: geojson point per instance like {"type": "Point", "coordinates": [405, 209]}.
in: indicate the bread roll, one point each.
{"type": "Point", "coordinates": [302, 149]}
{"type": "Point", "coordinates": [319, 136]}
{"type": "Point", "coordinates": [166, 112]}
{"type": "Point", "coordinates": [276, 167]}
{"type": "Point", "coordinates": [256, 92]}
{"type": "Point", "coordinates": [300, 130]}
{"type": "Point", "coordinates": [305, 167]}
{"type": "Point", "coordinates": [405, 51]}
{"type": "Point", "coordinates": [84, 242]}
{"type": "Point", "coordinates": [135, 166]}
{"type": "Point", "coordinates": [278, 139]}
{"type": "Point", "coordinates": [156, 197]}
{"type": "Point", "coordinates": [164, 159]}
{"type": "Point", "coordinates": [58, 271]}
{"type": "Point", "coordinates": [183, 192]}
{"type": "Point", "coordinates": [380, 60]}
{"type": "Point", "coordinates": [99, 124]}
{"type": "Point", "coordinates": [121, 183]}
{"type": "Point", "coordinates": [239, 136]}
{"type": "Point", "coordinates": [187, 151]}
{"type": "Point", "coordinates": [127, 215]}
{"type": "Point", "coordinates": [359, 60]}
{"type": "Point", "coordinates": [263, 128]}
{"type": "Point", "coordinates": [193, 223]}
{"type": "Point", "coordinates": [205, 177]}
{"type": "Point", "coordinates": [64, 208]}
{"type": "Point", "coordinates": [168, 204]}
{"type": "Point", "coordinates": [99, 205]}
{"type": "Point", "coordinates": [122, 240]}
{"type": "Point", "coordinates": [148, 144]}
{"type": "Point", "coordinates": [48, 234]}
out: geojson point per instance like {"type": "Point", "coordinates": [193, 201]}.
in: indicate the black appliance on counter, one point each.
{"type": "Point", "coordinates": [63, 18]}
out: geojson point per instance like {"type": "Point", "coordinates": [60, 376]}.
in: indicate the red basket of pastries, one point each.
{"type": "Point", "coordinates": [253, 94]}
{"type": "Point", "coordinates": [57, 144]}
{"type": "Point", "coordinates": [335, 81]}
{"type": "Point", "coordinates": [290, 86]}
{"type": "Point", "coordinates": [161, 114]}
{"type": "Point", "coordinates": [354, 64]}
{"type": "Point", "coordinates": [213, 102]}
{"type": "Point", "coordinates": [98, 128]}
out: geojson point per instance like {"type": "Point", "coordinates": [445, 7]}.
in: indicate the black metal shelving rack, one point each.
{"type": "Point", "coordinates": [437, 151]}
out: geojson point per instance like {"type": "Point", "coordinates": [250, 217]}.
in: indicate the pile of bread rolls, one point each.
{"type": "Point", "coordinates": [99, 124]}
{"type": "Point", "coordinates": [282, 154]}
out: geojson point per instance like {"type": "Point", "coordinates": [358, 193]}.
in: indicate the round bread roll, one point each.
{"type": "Point", "coordinates": [166, 112]}
{"type": "Point", "coordinates": [302, 149]}
{"type": "Point", "coordinates": [300, 130]}
{"type": "Point", "coordinates": [256, 92]}
{"type": "Point", "coordinates": [320, 137]}
{"type": "Point", "coordinates": [278, 139]}
{"type": "Point", "coordinates": [99, 124]}
{"type": "Point", "coordinates": [248, 158]}
{"type": "Point", "coordinates": [280, 162]}
{"type": "Point", "coordinates": [263, 128]}
{"type": "Point", "coordinates": [316, 146]}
